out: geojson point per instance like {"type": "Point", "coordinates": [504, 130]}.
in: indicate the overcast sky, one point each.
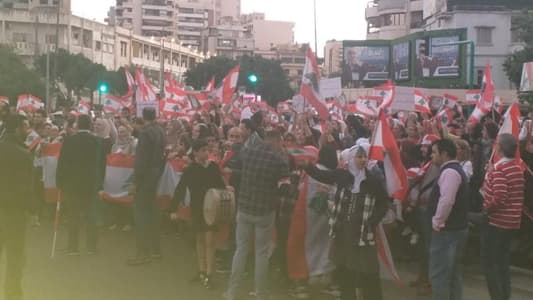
{"type": "Point", "coordinates": [337, 19]}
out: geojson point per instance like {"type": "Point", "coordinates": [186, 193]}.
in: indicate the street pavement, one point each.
{"type": "Point", "coordinates": [106, 276]}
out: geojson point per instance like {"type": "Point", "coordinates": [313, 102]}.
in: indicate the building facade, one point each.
{"type": "Point", "coordinates": [41, 5]}
{"type": "Point", "coordinates": [268, 33]}
{"type": "Point", "coordinates": [32, 34]}
{"type": "Point", "coordinates": [333, 58]}
{"type": "Point", "coordinates": [229, 40]}
{"type": "Point", "coordinates": [291, 58]}
{"type": "Point", "coordinates": [227, 10]}
{"type": "Point", "coordinates": [488, 24]}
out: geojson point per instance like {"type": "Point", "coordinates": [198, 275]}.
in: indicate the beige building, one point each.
{"type": "Point", "coordinates": [332, 58]}
{"type": "Point", "coordinates": [32, 34]}
{"type": "Point", "coordinates": [41, 5]}
{"type": "Point", "coordinates": [292, 59]}
{"type": "Point", "coordinates": [391, 19]}
{"type": "Point", "coordinates": [268, 33]}
{"type": "Point", "coordinates": [228, 10]}
{"type": "Point", "coordinates": [230, 40]}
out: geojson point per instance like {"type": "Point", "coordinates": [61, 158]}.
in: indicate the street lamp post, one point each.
{"type": "Point", "coordinates": [162, 70]}
{"type": "Point", "coordinates": [472, 57]}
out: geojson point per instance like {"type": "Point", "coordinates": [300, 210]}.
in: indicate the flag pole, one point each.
{"type": "Point", "coordinates": [56, 225]}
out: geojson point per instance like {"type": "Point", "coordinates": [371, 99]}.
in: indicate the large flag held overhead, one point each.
{"type": "Point", "coordinates": [366, 105]}
{"type": "Point", "coordinates": [224, 93]}
{"type": "Point", "coordinates": [112, 105]}
{"type": "Point", "coordinates": [210, 87]}
{"type": "Point", "coordinates": [84, 107]}
{"type": "Point", "coordinates": [421, 103]}
{"type": "Point", "coordinates": [144, 89]}
{"type": "Point", "coordinates": [118, 178]}
{"type": "Point", "coordinates": [386, 92]}
{"type": "Point", "coordinates": [310, 87]}
{"type": "Point", "coordinates": [384, 148]}
{"type": "Point", "coordinates": [473, 97]}
{"type": "Point", "coordinates": [28, 102]}
{"type": "Point", "coordinates": [510, 125]}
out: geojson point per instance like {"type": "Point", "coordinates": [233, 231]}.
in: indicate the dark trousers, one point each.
{"type": "Point", "coordinates": [146, 214]}
{"type": "Point", "coordinates": [13, 241]}
{"type": "Point", "coordinates": [349, 280]}
{"type": "Point", "coordinates": [495, 257]}
{"type": "Point", "coordinates": [82, 207]}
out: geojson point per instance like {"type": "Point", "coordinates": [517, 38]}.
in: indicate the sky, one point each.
{"type": "Point", "coordinates": [336, 19]}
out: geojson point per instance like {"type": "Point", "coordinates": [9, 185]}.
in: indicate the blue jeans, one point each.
{"type": "Point", "coordinates": [445, 270]}
{"type": "Point", "coordinates": [262, 227]}
{"type": "Point", "coordinates": [495, 256]}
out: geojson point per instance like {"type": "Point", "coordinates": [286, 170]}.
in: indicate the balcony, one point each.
{"type": "Point", "coordinates": [158, 7]}
{"type": "Point", "coordinates": [158, 18]}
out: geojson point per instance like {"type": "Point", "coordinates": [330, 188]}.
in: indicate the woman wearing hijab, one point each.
{"type": "Point", "coordinates": [126, 143]}
{"type": "Point", "coordinates": [200, 176]}
{"type": "Point", "coordinates": [360, 204]}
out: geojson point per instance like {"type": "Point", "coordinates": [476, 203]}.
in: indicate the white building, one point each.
{"type": "Point", "coordinates": [333, 57]}
{"type": "Point", "coordinates": [268, 33]}
{"type": "Point", "coordinates": [488, 24]}
{"type": "Point", "coordinates": [42, 5]}
{"type": "Point", "coordinates": [32, 34]}
{"type": "Point", "coordinates": [192, 17]}
{"type": "Point", "coordinates": [227, 9]}
{"type": "Point", "coordinates": [230, 40]}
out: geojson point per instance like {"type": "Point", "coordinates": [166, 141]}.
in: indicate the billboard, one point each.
{"type": "Point", "coordinates": [436, 58]}
{"type": "Point", "coordinates": [365, 63]}
{"type": "Point", "coordinates": [400, 61]}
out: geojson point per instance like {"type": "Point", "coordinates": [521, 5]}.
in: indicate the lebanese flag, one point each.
{"type": "Point", "coordinates": [169, 181]}
{"type": "Point", "coordinates": [112, 105]}
{"type": "Point", "coordinates": [210, 87]}
{"type": "Point", "coordinates": [366, 105]}
{"type": "Point", "coordinates": [33, 139]}
{"type": "Point", "coordinates": [172, 90]}
{"type": "Point", "coordinates": [445, 116]}
{"type": "Point", "coordinates": [452, 102]}
{"type": "Point", "coordinates": [384, 148]}
{"type": "Point", "coordinates": [386, 92]}
{"type": "Point", "coordinates": [477, 114]}
{"type": "Point", "coordinates": [49, 158]}
{"type": "Point", "coordinates": [473, 97]}
{"type": "Point", "coordinates": [510, 125]}
{"type": "Point", "coordinates": [487, 90]}
{"type": "Point", "coordinates": [28, 102]}
{"type": "Point", "coordinates": [309, 242]}
{"type": "Point", "coordinates": [310, 88]}
{"type": "Point", "coordinates": [145, 90]}
{"type": "Point", "coordinates": [421, 103]}
{"type": "Point", "coordinates": [224, 93]}
{"type": "Point", "coordinates": [84, 107]}
{"type": "Point", "coordinates": [118, 177]}
{"type": "Point", "coordinates": [130, 81]}
{"type": "Point", "coordinates": [498, 105]}
{"type": "Point", "coordinates": [335, 111]}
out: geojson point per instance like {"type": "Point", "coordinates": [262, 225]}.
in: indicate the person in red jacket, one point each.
{"type": "Point", "coordinates": [503, 194]}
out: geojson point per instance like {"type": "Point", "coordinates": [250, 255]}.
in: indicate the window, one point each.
{"type": "Point", "coordinates": [484, 35]}
{"type": "Point", "coordinates": [43, 2]}
{"type": "Point", "coordinates": [19, 37]}
{"type": "Point", "coordinates": [98, 45]}
{"type": "Point", "coordinates": [123, 49]}
{"type": "Point", "coordinates": [50, 39]}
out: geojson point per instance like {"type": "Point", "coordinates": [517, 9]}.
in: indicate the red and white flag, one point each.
{"type": "Point", "coordinates": [173, 91]}
{"type": "Point", "coordinates": [33, 139]}
{"type": "Point", "coordinates": [118, 178]}
{"type": "Point", "coordinates": [473, 97]}
{"type": "Point", "coordinates": [445, 116]}
{"type": "Point", "coordinates": [112, 105]}
{"type": "Point", "coordinates": [4, 100]}
{"type": "Point", "coordinates": [224, 93]}
{"type": "Point", "coordinates": [49, 158]}
{"type": "Point", "coordinates": [452, 102]}
{"type": "Point", "coordinates": [498, 105]}
{"type": "Point", "coordinates": [144, 89]}
{"type": "Point", "coordinates": [28, 102]}
{"type": "Point", "coordinates": [421, 103]}
{"type": "Point", "coordinates": [130, 81]}
{"type": "Point", "coordinates": [486, 102]}
{"type": "Point", "coordinates": [384, 148]}
{"type": "Point", "coordinates": [510, 125]}
{"type": "Point", "coordinates": [167, 185]}
{"type": "Point", "coordinates": [210, 87]}
{"type": "Point", "coordinates": [310, 88]}
{"type": "Point", "coordinates": [386, 92]}
{"type": "Point", "coordinates": [366, 105]}
{"type": "Point", "coordinates": [84, 107]}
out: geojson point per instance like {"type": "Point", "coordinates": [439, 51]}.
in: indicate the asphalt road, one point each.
{"type": "Point", "coordinates": [106, 276]}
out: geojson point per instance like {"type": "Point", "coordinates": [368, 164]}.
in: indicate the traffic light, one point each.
{"type": "Point", "coordinates": [103, 88]}
{"type": "Point", "coordinates": [253, 79]}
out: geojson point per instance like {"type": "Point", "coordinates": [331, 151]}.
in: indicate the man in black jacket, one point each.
{"type": "Point", "coordinates": [15, 197]}
{"type": "Point", "coordinates": [149, 163]}
{"type": "Point", "coordinates": [79, 178]}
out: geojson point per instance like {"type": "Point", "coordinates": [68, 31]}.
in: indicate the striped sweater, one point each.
{"type": "Point", "coordinates": [504, 194]}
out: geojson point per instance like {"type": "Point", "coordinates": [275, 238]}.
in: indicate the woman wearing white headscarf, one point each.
{"type": "Point", "coordinates": [360, 204]}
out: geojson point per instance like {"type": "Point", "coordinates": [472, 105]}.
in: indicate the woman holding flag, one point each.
{"type": "Point", "coordinates": [360, 204]}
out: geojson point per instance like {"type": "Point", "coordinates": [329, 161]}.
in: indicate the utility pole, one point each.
{"type": "Point", "coordinates": [48, 103]}
{"type": "Point", "coordinates": [316, 41]}
{"type": "Point", "coordinates": [56, 53]}
{"type": "Point", "coordinates": [162, 70]}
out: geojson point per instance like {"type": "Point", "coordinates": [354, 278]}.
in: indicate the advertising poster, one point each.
{"type": "Point", "coordinates": [434, 58]}
{"type": "Point", "coordinates": [400, 61]}
{"type": "Point", "coordinates": [365, 63]}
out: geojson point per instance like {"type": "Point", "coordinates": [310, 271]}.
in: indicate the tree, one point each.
{"type": "Point", "coordinates": [77, 73]}
{"type": "Point", "coordinates": [16, 78]}
{"type": "Point", "coordinates": [272, 82]}
{"type": "Point", "coordinates": [523, 26]}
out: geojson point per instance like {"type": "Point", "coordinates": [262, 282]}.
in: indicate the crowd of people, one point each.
{"type": "Point", "coordinates": [463, 178]}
